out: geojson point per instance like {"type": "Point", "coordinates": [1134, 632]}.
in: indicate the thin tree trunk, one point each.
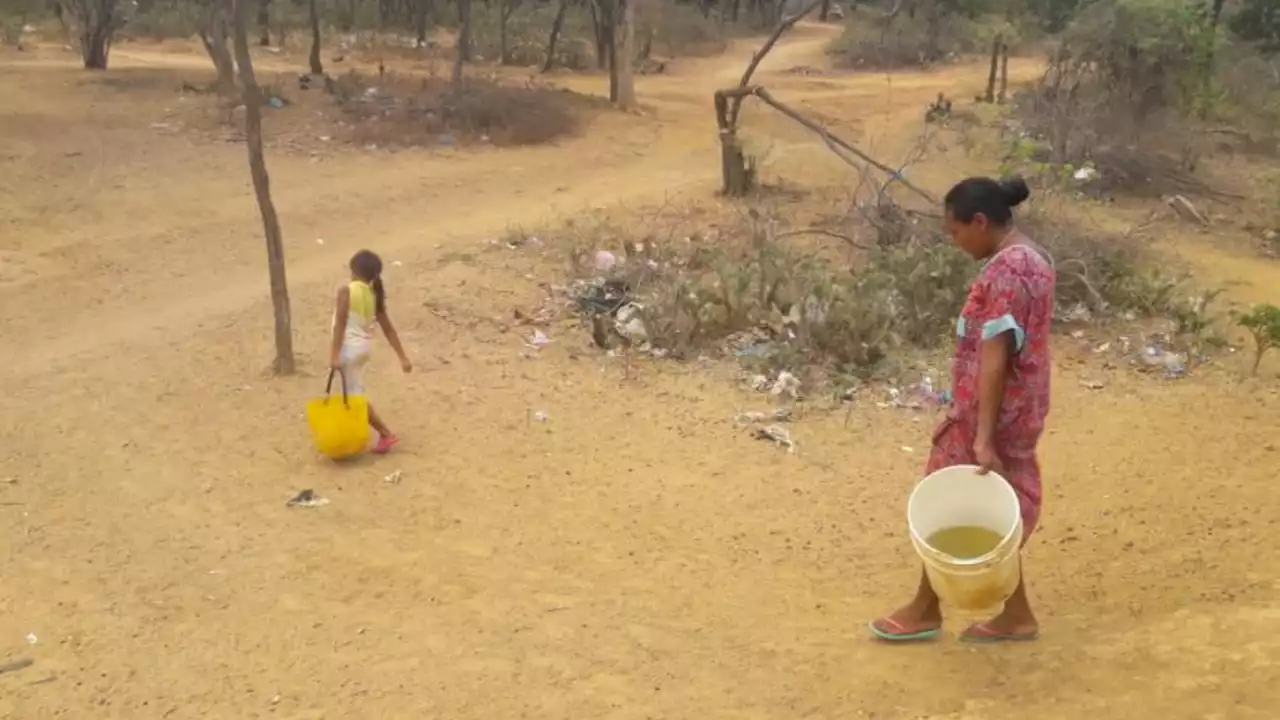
{"type": "Point", "coordinates": [420, 8]}
{"type": "Point", "coordinates": [556, 26]}
{"type": "Point", "coordinates": [96, 19]}
{"type": "Point", "coordinates": [284, 362]}
{"type": "Point", "coordinates": [317, 68]}
{"type": "Point", "coordinates": [503, 16]}
{"type": "Point", "coordinates": [264, 22]}
{"type": "Point", "coordinates": [597, 24]}
{"type": "Point", "coordinates": [990, 95]}
{"type": "Point", "coordinates": [464, 37]}
{"type": "Point", "coordinates": [625, 56]}
{"type": "Point", "coordinates": [214, 39]}
{"type": "Point", "coordinates": [1004, 72]}
{"type": "Point", "coordinates": [825, 12]}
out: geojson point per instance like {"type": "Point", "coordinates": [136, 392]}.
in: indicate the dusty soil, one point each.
{"type": "Point", "coordinates": [636, 556]}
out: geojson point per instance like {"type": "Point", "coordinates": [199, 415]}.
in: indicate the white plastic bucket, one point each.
{"type": "Point", "coordinates": [958, 495]}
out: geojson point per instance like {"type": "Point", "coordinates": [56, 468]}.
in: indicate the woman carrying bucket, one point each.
{"type": "Point", "coordinates": [1000, 386]}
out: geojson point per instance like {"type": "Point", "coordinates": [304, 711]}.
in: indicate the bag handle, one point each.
{"type": "Point", "coordinates": [328, 388]}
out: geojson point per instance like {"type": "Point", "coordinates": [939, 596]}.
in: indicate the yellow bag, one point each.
{"type": "Point", "coordinates": [340, 428]}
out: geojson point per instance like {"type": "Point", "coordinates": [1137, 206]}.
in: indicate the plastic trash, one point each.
{"type": "Point", "coordinates": [605, 260]}
{"type": "Point", "coordinates": [778, 435]}
{"type": "Point", "coordinates": [308, 499]}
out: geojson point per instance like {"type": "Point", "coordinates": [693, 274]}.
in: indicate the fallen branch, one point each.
{"type": "Point", "coordinates": [822, 231]}
{"type": "Point", "coordinates": [833, 141]}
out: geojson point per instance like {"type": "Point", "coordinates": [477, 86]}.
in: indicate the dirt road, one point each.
{"type": "Point", "coordinates": [636, 556]}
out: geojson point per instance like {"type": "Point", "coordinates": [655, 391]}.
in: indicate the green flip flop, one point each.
{"type": "Point", "coordinates": [899, 632]}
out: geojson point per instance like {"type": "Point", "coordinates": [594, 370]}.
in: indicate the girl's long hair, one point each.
{"type": "Point", "coordinates": [367, 266]}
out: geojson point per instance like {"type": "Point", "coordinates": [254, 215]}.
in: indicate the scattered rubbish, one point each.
{"type": "Point", "coordinates": [1077, 334]}
{"type": "Point", "coordinates": [750, 418]}
{"type": "Point", "coordinates": [1092, 384]}
{"type": "Point", "coordinates": [307, 498]}
{"type": "Point", "coordinates": [605, 260]}
{"type": "Point", "coordinates": [393, 478]}
{"type": "Point", "coordinates": [776, 434]}
{"type": "Point", "coordinates": [1102, 348]}
{"type": "Point", "coordinates": [9, 481]}
{"type": "Point", "coordinates": [446, 140]}
{"type": "Point", "coordinates": [629, 323]}
{"type": "Point", "coordinates": [319, 241]}
{"type": "Point", "coordinates": [759, 383]}
{"type": "Point", "coordinates": [16, 665]}
{"type": "Point", "coordinates": [915, 397]}
{"type": "Point", "coordinates": [755, 350]}
{"type": "Point", "coordinates": [32, 639]}
{"type": "Point", "coordinates": [604, 297]}
{"type": "Point", "coordinates": [275, 699]}
{"type": "Point", "coordinates": [1173, 364]}
{"type": "Point", "coordinates": [541, 416]}
{"type": "Point", "coordinates": [276, 102]}
{"type": "Point", "coordinates": [1085, 174]}
{"type": "Point", "coordinates": [908, 449]}
{"type": "Point", "coordinates": [397, 263]}
{"type": "Point", "coordinates": [786, 384]}
{"type": "Point", "coordinates": [1185, 210]}
{"type": "Point", "coordinates": [1077, 313]}
{"type": "Point", "coordinates": [539, 339]}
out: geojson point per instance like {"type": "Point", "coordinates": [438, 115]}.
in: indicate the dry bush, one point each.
{"type": "Point", "coordinates": [846, 296]}
{"type": "Point", "coordinates": [399, 110]}
{"type": "Point", "coordinates": [901, 41]}
{"type": "Point", "coordinates": [1126, 92]}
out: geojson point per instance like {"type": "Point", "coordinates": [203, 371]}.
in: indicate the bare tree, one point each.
{"type": "Point", "coordinates": [626, 98]}
{"type": "Point", "coordinates": [317, 68]}
{"type": "Point", "coordinates": [264, 22]}
{"type": "Point", "coordinates": [463, 52]}
{"type": "Point", "coordinates": [421, 11]}
{"type": "Point", "coordinates": [505, 11]}
{"type": "Point", "coordinates": [284, 362]}
{"type": "Point", "coordinates": [556, 26]}
{"type": "Point", "coordinates": [214, 38]}
{"type": "Point", "coordinates": [96, 24]}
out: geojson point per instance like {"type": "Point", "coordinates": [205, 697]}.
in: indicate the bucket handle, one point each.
{"type": "Point", "coordinates": [328, 388]}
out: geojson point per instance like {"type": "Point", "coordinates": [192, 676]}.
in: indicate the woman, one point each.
{"type": "Point", "coordinates": [1000, 386]}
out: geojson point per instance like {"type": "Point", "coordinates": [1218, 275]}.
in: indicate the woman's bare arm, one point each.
{"type": "Point", "coordinates": [393, 338]}
{"type": "Point", "coordinates": [342, 308]}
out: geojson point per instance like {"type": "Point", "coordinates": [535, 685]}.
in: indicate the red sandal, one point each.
{"type": "Point", "coordinates": [385, 443]}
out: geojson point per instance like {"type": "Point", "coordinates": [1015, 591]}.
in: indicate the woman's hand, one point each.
{"type": "Point", "coordinates": [985, 453]}
{"type": "Point", "coordinates": [405, 365]}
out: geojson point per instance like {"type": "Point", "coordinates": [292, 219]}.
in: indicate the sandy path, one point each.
{"type": "Point", "coordinates": [636, 556]}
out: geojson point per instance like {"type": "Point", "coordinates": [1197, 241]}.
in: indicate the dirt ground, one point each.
{"type": "Point", "coordinates": [636, 556]}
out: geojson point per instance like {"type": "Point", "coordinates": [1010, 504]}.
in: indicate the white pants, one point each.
{"type": "Point", "coordinates": [352, 362]}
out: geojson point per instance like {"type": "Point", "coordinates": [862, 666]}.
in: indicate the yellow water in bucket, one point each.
{"type": "Point", "coordinates": [967, 529]}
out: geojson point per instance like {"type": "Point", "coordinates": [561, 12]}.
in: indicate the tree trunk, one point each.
{"type": "Point", "coordinates": [284, 362]}
{"type": "Point", "coordinates": [1004, 72]}
{"type": "Point", "coordinates": [317, 68]}
{"type": "Point", "coordinates": [504, 54]}
{"type": "Point", "coordinates": [825, 12]}
{"type": "Point", "coordinates": [420, 10]}
{"type": "Point", "coordinates": [737, 175]}
{"type": "Point", "coordinates": [96, 19]}
{"type": "Point", "coordinates": [264, 23]}
{"type": "Point", "coordinates": [990, 95]}
{"type": "Point", "coordinates": [214, 39]}
{"type": "Point", "coordinates": [597, 24]}
{"type": "Point", "coordinates": [556, 26]}
{"type": "Point", "coordinates": [625, 57]}
{"type": "Point", "coordinates": [464, 38]}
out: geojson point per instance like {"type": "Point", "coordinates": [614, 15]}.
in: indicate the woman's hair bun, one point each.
{"type": "Point", "coordinates": [1015, 190]}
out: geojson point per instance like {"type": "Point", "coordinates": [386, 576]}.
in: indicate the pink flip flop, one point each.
{"type": "Point", "coordinates": [385, 444]}
{"type": "Point", "coordinates": [984, 633]}
{"type": "Point", "coordinates": [891, 630]}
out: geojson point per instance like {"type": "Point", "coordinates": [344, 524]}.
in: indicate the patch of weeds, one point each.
{"type": "Point", "coordinates": [1263, 323]}
{"type": "Point", "coordinates": [396, 110]}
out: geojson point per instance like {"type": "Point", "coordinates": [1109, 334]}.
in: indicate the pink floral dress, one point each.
{"type": "Point", "coordinates": [1013, 293]}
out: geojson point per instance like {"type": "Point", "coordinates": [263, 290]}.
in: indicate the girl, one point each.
{"type": "Point", "coordinates": [361, 304]}
{"type": "Point", "coordinates": [1000, 386]}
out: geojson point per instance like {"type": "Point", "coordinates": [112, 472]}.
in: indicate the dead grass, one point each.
{"type": "Point", "coordinates": [397, 110]}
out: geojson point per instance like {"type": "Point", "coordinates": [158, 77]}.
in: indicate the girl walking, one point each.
{"type": "Point", "coordinates": [361, 305]}
{"type": "Point", "coordinates": [1000, 387]}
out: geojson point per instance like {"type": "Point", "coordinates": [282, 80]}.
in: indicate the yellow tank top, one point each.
{"type": "Point", "coordinates": [361, 316]}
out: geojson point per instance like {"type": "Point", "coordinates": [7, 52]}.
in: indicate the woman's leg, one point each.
{"type": "Point", "coordinates": [375, 420]}
{"type": "Point", "coordinates": [1015, 621]}
{"type": "Point", "coordinates": [919, 619]}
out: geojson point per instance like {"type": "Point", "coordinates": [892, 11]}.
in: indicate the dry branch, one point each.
{"type": "Point", "coordinates": [833, 141]}
{"type": "Point", "coordinates": [786, 24]}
